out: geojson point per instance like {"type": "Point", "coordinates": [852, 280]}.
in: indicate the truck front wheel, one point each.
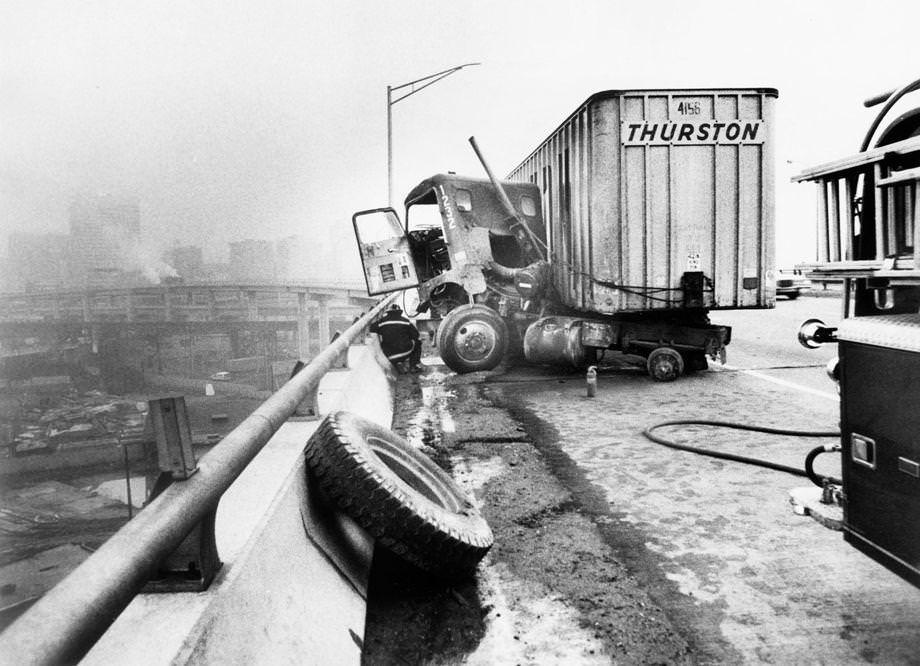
{"type": "Point", "coordinates": [472, 338]}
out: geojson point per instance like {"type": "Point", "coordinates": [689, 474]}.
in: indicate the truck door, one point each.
{"type": "Point", "coordinates": [385, 251]}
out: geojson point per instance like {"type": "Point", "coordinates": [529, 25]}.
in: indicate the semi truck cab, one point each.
{"type": "Point", "coordinates": [455, 232]}
{"type": "Point", "coordinates": [462, 251]}
{"type": "Point", "coordinates": [469, 243]}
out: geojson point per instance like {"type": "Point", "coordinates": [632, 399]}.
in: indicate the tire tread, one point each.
{"type": "Point", "coordinates": [399, 520]}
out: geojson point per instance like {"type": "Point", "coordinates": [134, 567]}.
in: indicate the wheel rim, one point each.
{"type": "Point", "coordinates": [475, 341]}
{"type": "Point", "coordinates": [415, 474]}
{"type": "Point", "coordinates": [665, 365]}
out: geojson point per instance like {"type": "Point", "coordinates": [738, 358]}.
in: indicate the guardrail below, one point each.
{"type": "Point", "coordinates": [63, 625]}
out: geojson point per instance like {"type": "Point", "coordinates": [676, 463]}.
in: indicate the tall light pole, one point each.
{"type": "Point", "coordinates": [425, 81]}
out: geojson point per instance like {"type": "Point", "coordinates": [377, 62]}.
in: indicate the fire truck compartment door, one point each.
{"type": "Point", "coordinates": [385, 251]}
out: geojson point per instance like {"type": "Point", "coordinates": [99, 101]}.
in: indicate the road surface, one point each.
{"type": "Point", "coordinates": [612, 548]}
{"type": "Point", "coordinates": [742, 576]}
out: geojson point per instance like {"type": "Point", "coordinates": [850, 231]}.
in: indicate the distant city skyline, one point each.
{"type": "Point", "coordinates": [103, 248]}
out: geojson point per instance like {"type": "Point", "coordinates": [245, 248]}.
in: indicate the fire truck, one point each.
{"type": "Point", "coordinates": [869, 243]}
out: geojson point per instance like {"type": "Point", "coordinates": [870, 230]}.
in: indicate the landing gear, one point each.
{"type": "Point", "coordinates": [472, 338]}
{"type": "Point", "coordinates": [694, 361]}
{"type": "Point", "coordinates": [665, 364]}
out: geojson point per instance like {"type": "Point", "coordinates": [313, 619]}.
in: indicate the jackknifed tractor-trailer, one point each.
{"type": "Point", "coordinates": [642, 212]}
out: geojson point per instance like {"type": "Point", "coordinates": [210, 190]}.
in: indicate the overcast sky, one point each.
{"type": "Point", "coordinates": [262, 119]}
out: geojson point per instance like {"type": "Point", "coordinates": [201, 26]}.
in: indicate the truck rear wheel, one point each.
{"type": "Point", "coordinates": [665, 364]}
{"type": "Point", "coordinates": [472, 338]}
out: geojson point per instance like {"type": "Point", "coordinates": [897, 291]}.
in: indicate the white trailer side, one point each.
{"type": "Point", "coordinates": [642, 186]}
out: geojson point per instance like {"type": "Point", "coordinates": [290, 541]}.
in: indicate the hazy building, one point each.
{"type": "Point", "coordinates": [102, 229]}
{"type": "Point", "coordinates": [8, 281]}
{"type": "Point", "coordinates": [293, 260]}
{"type": "Point", "coordinates": [252, 261]}
{"type": "Point", "coordinates": [188, 262]}
{"type": "Point", "coordinates": [215, 272]}
{"type": "Point", "coordinates": [316, 259]}
{"type": "Point", "coordinates": [36, 262]}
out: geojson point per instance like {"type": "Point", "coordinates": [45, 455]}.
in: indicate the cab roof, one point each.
{"type": "Point", "coordinates": [424, 192]}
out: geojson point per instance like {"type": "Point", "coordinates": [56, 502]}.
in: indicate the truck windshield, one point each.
{"type": "Point", "coordinates": [423, 216]}
{"type": "Point", "coordinates": [426, 238]}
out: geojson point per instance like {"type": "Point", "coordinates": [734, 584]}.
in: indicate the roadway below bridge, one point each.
{"type": "Point", "coordinates": [609, 547]}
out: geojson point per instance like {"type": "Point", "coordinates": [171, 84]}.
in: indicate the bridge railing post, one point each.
{"type": "Point", "coordinates": [191, 567]}
{"type": "Point", "coordinates": [325, 328]}
{"type": "Point", "coordinates": [303, 326]}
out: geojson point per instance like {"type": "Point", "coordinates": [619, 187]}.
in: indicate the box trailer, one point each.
{"type": "Point", "coordinates": [642, 212]}
{"type": "Point", "coordinates": [640, 187]}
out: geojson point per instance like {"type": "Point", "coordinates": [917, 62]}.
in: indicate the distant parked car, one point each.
{"type": "Point", "coordinates": [790, 285]}
{"type": "Point", "coordinates": [222, 376]}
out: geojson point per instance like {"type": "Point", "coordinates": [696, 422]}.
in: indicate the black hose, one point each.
{"type": "Point", "coordinates": [816, 478]}
{"type": "Point", "coordinates": [807, 472]}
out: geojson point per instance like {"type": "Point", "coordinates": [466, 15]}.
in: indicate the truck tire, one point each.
{"type": "Point", "coordinates": [665, 364]}
{"type": "Point", "coordinates": [409, 504]}
{"type": "Point", "coordinates": [472, 338]}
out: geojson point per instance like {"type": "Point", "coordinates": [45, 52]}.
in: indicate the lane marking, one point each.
{"type": "Point", "coordinates": [783, 382]}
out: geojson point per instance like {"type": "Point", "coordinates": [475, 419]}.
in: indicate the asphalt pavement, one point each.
{"type": "Point", "coordinates": [764, 344]}
{"type": "Point", "coordinates": [716, 543]}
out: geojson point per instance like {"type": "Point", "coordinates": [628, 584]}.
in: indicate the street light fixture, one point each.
{"type": "Point", "coordinates": [426, 81]}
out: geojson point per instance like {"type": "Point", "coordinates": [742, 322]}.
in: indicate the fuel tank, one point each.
{"type": "Point", "coordinates": [555, 341]}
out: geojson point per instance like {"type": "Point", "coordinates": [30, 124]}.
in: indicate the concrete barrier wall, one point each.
{"type": "Point", "coordinates": [293, 586]}
{"type": "Point", "coordinates": [365, 388]}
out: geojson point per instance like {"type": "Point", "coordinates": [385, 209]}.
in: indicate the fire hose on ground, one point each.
{"type": "Point", "coordinates": [808, 470]}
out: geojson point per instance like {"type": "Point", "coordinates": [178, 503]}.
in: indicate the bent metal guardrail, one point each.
{"type": "Point", "coordinates": [70, 618]}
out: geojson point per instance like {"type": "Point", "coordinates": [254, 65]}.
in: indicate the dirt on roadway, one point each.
{"type": "Point", "coordinates": [608, 549]}
{"type": "Point", "coordinates": [551, 590]}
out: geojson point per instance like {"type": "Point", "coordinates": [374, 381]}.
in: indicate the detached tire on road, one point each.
{"type": "Point", "coordinates": [409, 504]}
{"type": "Point", "coordinates": [472, 338]}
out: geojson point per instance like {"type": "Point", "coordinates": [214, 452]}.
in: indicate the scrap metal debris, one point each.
{"type": "Point", "coordinates": [76, 420]}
